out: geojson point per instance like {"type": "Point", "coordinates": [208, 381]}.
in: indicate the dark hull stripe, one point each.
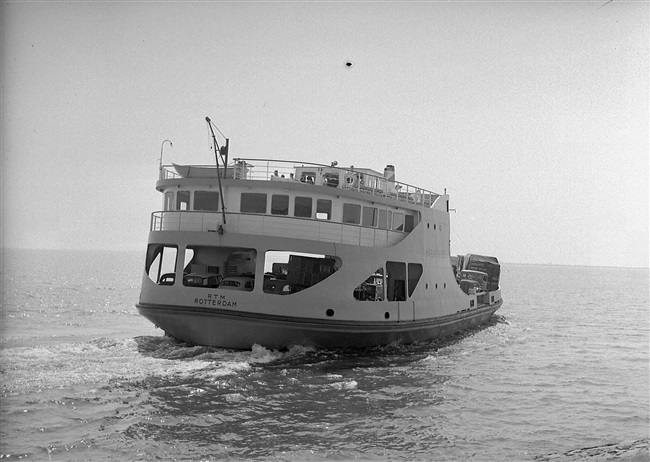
{"type": "Point", "coordinates": [230, 329]}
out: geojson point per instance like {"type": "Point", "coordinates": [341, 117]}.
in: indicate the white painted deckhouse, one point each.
{"type": "Point", "coordinates": [281, 253]}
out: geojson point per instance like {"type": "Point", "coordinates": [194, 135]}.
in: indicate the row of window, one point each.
{"type": "Point", "coordinates": [299, 206]}
{"type": "Point", "coordinates": [207, 201]}
{"type": "Point", "coordinates": [303, 207]}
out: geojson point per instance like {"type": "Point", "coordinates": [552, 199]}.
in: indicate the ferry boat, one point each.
{"type": "Point", "coordinates": [281, 253]}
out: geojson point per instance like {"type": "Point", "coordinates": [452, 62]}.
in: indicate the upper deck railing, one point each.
{"type": "Point", "coordinates": [353, 179]}
{"type": "Point", "coordinates": [277, 226]}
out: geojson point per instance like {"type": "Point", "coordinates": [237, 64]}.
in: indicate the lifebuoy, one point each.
{"type": "Point", "coordinates": [349, 179]}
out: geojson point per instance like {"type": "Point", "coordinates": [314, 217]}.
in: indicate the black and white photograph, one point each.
{"type": "Point", "coordinates": [325, 231]}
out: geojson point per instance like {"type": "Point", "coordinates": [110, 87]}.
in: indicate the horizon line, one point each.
{"type": "Point", "coordinates": [3, 248]}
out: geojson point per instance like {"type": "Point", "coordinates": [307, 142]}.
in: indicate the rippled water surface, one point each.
{"type": "Point", "coordinates": [563, 365]}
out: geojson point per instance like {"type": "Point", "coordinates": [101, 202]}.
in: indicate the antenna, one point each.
{"type": "Point", "coordinates": [161, 151]}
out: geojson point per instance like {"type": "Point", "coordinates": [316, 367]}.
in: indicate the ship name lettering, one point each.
{"type": "Point", "coordinates": [214, 301]}
{"type": "Point", "coordinates": [435, 253]}
{"type": "Point", "coordinates": [215, 296]}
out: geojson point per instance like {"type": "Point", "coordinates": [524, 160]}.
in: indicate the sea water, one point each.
{"type": "Point", "coordinates": [563, 365]}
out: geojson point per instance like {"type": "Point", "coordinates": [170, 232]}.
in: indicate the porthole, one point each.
{"type": "Point", "coordinates": [386, 315]}
{"type": "Point", "coordinates": [427, 225]}
{"type": "Point", "coordinates": [434, 226]}
{"type": "Point", "coordinates": [436, 285]}
{"type": "Point", "coordinates": [445, 285]}
{"type": "Point", "coordinates": [330, 312]}
{"type": "Point", "coordinates": [427, 286]}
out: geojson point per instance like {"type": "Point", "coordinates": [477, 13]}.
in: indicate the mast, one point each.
{"type": "Point", "coordinates": [223, 152]}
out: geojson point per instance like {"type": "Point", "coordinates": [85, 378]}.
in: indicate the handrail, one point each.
{"type": "Point", "coordinates": [167, 172]}
{"type": "Point", "coordinates": [270, 225]}
{"type": "Point", "coordinates": [157, 218]}
{"type": "Point", "coordinates": [361, 179]}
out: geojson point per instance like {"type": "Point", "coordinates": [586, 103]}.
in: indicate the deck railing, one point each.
{"type": "Point", "coordinates": [376, 185]}
{"type": "Point", "coordinates": [167, 172]}
{"type": "Point", "coordinates": [265, 225]}
{"type": "Point", "coordinates": [286, 170]}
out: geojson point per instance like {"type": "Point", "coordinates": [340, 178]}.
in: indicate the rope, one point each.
{"type": "Point", "coordinates": [461, 240]}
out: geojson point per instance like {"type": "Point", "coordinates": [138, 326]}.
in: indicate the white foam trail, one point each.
{"type": "Point", "coordinates": [345, 385]}
{"type": "Point", "coordinates": [106, 360]}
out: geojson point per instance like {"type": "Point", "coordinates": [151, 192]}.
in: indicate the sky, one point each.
{"type": "Point", "coordinates": [532, 115]}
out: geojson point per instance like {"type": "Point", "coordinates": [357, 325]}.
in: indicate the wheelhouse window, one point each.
{"type": "Point", "coordinates": [385, 219]}
{"type": "Point", "coordinates": [410, 221]}
{"type": "Point", "coordinates": [302, 207]}
{"type": "Point", "coordinates": [331, 179]}
{"type": "Point", "coordinates": [308, 177]}
{"type": "Point", "coordinates": [183, 200]}
{"type": "Point", "coordinates": [206, 200]}
{"type": "Point", "coordinates": [279, 204]}
{"type": "Point", "coordinates": [398, 221]}
{"type": "Point", "coordinates": [324, 209]}
{"type": "Point", "coordinates": [253, 203]}
{"type": "Point", "coordinates": [169, 201]}
{"type": "Point", "coordinates": [351, 214]}
{"type": "Point", "coordinates": [369, 216]}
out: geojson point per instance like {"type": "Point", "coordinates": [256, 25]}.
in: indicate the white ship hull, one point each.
{"type": "Point", "coordinates": [279, 254]}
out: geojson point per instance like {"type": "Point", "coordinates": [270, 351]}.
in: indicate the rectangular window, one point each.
{"type": "Point", "coordinates": [302, 207]}
{"type": "Point", "coordinates": [351, 213]}
{"type": "Point", "coordinates": [369, 216]}
{"type": "Point", "coordinates": [324, 209]}
{"type": "Point", "coordinates": [395, 281]}
{"type": "Point", "coordinates": [385, 219]}
{"type": "Point", "coordinates": [206, 200]}
{"type": "Point", "coordinates": [169, 201]}
{"type": "Point", "coordinates": [308, 177]}
{"type": "Point", "coordinates": [279, 204]}
{"type": "Point", "coordinates": [409, 223]}
{"type": "Point", "coordinates": [414, 273]}
{"type": "Point", "coordinates": [331, 179]}
{"type": "Point", "coordinates": [253, 203]}
{"type": "Point", "coordinates": [398, 221]}
{"type": "Point", "coordinates": [183, 200]}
